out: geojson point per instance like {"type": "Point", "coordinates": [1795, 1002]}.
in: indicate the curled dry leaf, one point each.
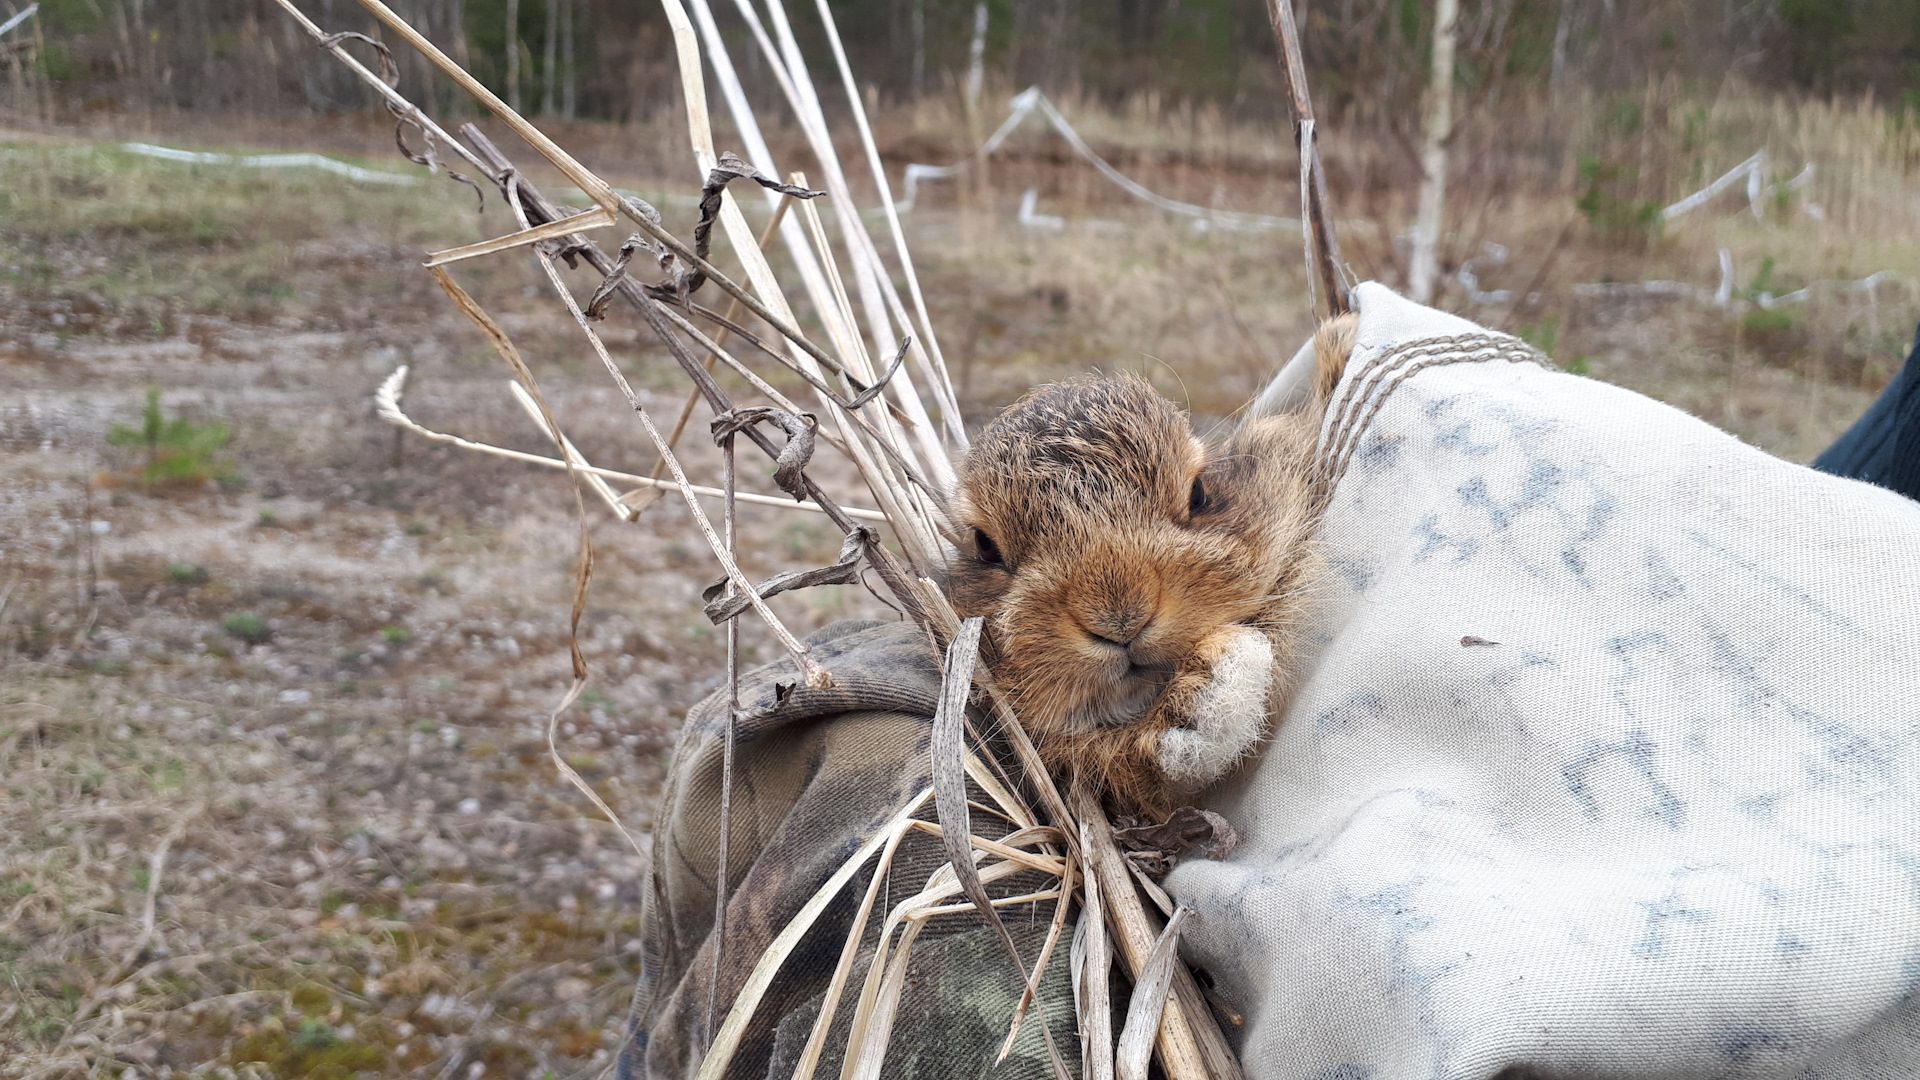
{"type": "Point", "coordinates": [792, 459]}
{"type": "Point", "coordinates": [845, 571]}
{"type": "Point", "coordinates": [1189, 833]}
{"type": "Point", "coordinates": [728, 169]}
{"type": "Point", "coordinates": [597, 303]}
{"type": "Point", "coordinates": [868, 393]}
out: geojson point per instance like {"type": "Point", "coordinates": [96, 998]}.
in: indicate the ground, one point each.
{"type": "Point", "coordinates": [274, 707]}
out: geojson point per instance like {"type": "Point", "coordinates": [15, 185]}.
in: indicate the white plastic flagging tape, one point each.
{"type": "Point", "coordinates": [271, 161]}
{"type": "Point", "coordinates": [20, 18]}
{"type": "Point", "coordinates": [1025, 104]}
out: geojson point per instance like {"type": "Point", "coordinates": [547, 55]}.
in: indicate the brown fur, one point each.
{"type": "Point", "coordinates": [1114, 599]}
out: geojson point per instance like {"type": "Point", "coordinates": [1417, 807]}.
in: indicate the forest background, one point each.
{"type": "Point", "coordinates": [603, 59]}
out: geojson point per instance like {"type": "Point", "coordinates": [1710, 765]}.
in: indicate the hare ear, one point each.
{"type": "Point", "coordinates": [1331, 346]}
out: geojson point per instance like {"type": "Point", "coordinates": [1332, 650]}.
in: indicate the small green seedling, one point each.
{"type": "Point", "coordinates": [248, 627]}
{"type": "Point", "coordinates": [1543, 335]}
{"type": "Point", "coordinates": [179, 452]}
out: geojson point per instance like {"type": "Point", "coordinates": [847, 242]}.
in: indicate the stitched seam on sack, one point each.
{"type": "Point", "coordinates": [1369, 389]}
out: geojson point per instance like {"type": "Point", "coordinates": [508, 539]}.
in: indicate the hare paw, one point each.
{"type": "Point", "coordinates": [1228, 715]}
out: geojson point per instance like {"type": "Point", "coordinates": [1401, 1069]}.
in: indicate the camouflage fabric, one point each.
{"type": "Point", "coordinates": [817, 773]}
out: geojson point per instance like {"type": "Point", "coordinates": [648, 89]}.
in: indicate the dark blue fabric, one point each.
{"type": "Point", "coordinates": [1883, 446]}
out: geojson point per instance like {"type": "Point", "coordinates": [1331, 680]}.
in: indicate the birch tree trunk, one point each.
{"type": "Point", "coordinates": [1557, 69]}
{"type": "Point", "coordinates": [919, 17]}
{"type": "Point", "coordinates": [457, 33]}
{"type": "Point", "coordinates": [456, 101]}
{"type": "Point", "coordinates": [550, 58]}
{"type": "Point", "coordinates": [513, 55]}
{"type": "Point", "coordinates": [1424, 273]}
{"type": "Point", "coordinates": [976, 56]}
{"type": "Point", "coordinates": [569, 86]}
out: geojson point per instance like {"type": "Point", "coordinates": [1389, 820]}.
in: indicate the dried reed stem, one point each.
{"type": "Point", "coordinates": [721, 877]}
{"type": "Point", "coordinates": [387, 404]}
{"type": "Point", "coordinates": [1319, 217]}
{"type": "Point", "coordinates": [393, 97]}
{"type": "Point", "coordinates": [591, 185]}
{"type": "Point", "coordinates": [914, 530]}
{"type": "Point", "coordinates": [1179, 1052]}
{"type": "Point", "coordinates": [790, 71]}
{"type": "Point", "coordinates": [937, 377]}
{"type": "Point", "coordinates": [574, 456]}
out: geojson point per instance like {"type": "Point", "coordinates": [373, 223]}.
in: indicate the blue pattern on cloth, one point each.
{"type": "Point", "coordinates": [1606, 762]}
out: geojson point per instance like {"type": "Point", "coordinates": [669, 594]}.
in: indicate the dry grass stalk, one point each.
{"type": "Point", "coordinates": [1316, 212]}
{"type": "Point", "coordinates": [1148, 1002]}
{"type": "Point", "coordinates": [1065, 895]}
{"type": "Point", "coordinates": [950, 800]}
{"type": "Point", "coordinates": [880, 298]}
{"type": "Point", "coordinates": [727, 1039]}
{"type": "Point", "coordinates": [401, 107]}
{"type": "Point", "coordinates": [1179, 1047]}
{"type": "Point", "coordinates": [722, 877]}
{"type": "Point", "coordinates": [880, 996]}
{"type": "Point", "coordinates": [812, 672]}
{"type": "Point", "coordinates": [935, 364]}
{"type": "Point", "coordinates": [574, 456]}
{"type": "Point", "coordinates": [916, 532]}
{"type": "Point", "coordinates": [1006, 805]}
{"type": "Point", "coordinates": [1095, 967]}
{"type": "Point", "coordinates": [156, 868]}
{"type": "Point", "coordinates": [387, 403]}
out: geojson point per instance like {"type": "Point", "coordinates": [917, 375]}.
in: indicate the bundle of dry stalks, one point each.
{"type": "Point", "coordinates": [898, 424]}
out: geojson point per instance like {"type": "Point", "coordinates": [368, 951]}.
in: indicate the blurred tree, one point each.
{"type": "Point", "coordinates": [613, 58]}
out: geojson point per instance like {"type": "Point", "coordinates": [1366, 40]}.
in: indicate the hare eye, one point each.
{"type": "Point", "coordinates": [1197, 498]}
{"type": "Point", "coordinates": [988, 550]}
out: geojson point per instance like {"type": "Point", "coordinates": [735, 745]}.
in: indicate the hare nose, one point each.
{"type": "Point", "coordinates": [1121, 627]}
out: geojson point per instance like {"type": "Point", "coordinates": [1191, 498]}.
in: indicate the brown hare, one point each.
{"type": "Point", "coordinates": [1143, 591]}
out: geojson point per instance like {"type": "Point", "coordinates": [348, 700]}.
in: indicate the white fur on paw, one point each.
{"type": "Point", "coordinates": [1229, 718]}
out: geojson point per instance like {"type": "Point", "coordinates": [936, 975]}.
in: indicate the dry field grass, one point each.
{"type": "Point", "coordinates": [273, 772]}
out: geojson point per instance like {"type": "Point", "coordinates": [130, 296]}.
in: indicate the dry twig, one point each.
{"type": "Point", "coordinates": [156, 867]}
{"type": "Point", "coordinates": [1316, 213]}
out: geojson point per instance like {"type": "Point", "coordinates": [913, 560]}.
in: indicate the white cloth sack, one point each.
{"type": "Point", "coordinates": [1605, 761]}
